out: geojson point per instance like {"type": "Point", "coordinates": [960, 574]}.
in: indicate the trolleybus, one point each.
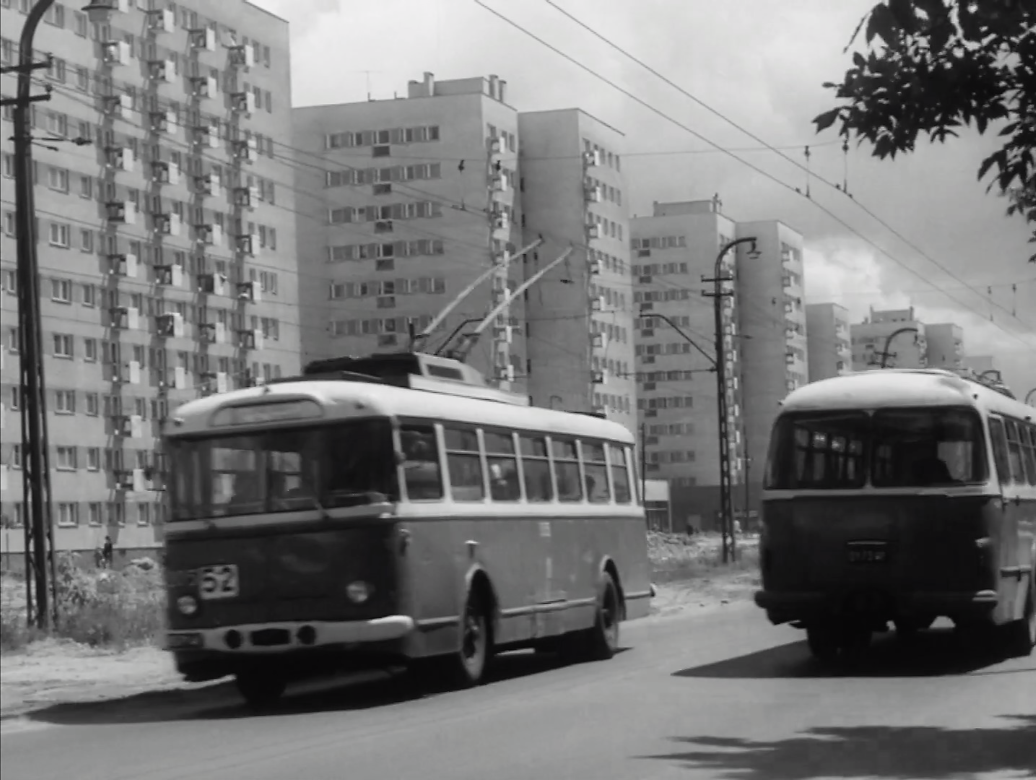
{"type": "Point", "coordinates": [394, 508]}
{"type": "Point", "coordinates": [898, 497]}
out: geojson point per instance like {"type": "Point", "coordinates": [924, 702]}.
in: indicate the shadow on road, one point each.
{"type": "Point", "coordinates": [902, 753]}
{"type": "Point", "coordinates": [930, 654]}
{"type": "Point", "coordinates": [221, 701]}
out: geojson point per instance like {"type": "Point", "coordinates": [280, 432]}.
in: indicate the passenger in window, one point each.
{"type": "Point", "coordinates": [503, 484]}
{"type": "Point", "coordinates": [421, 464]}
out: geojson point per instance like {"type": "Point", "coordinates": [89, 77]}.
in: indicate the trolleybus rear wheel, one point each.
{"type": "Point", "coordinates": [601, 641]}
{"type": "Point", "coordinates": [824, 642]}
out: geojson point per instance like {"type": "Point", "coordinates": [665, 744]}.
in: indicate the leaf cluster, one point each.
{"type": "Point", "coordinates": [931, 67]}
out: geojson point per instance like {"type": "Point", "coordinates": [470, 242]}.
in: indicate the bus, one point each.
{"type": "Point", "coordinates": [896, 497]}
{"type": "Point", "coordinates": [394, 510]}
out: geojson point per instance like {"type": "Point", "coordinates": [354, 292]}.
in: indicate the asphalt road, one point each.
{"type": "Point", "coordinates": [714, 695]}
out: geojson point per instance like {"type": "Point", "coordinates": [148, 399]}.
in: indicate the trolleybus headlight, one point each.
{"type": "Point", "coordinates": [358, 592]}
{"type": "Point", "coordinates": [187, 605]}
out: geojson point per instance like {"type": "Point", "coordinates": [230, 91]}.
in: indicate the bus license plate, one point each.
{"type": "Point", "coordinates": [218, 582]}
{"type": "Point", "coordinates": [867, 552]}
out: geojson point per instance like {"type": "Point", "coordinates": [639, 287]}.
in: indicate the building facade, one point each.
{"type": "Point", "coordinates": [773, 332]}
{"type": "Point", "coordinates": [405, 203]}
{"type": "Point", "coordinates": [895, 336]}
{"type": "Point", "coordinates": [579, 315]}
{"type": "Point", "coordinates": [166, 243]}
{"type": "Point", "coordinates": [829, 349]}
{"type": "Point", "coordinates": [945, 346]}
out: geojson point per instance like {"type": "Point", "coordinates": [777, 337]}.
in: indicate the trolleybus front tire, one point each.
{"type": "Point", "coordinates": [466, 667]}
{"type": "Point", "coordinates": [260, 688]}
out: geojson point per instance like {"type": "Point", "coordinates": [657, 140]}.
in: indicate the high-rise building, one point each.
{"type": "Point", "coordinates": [580, 318]}
{"type": "Point", "coordinates": [827, 337]}
{"type": "Point", "coordinates": [894, 337]}
{"type": "Point", "coordinates": [771, 293]}
{"type": "Point", "coordinates": [166, 242]}
{"type": "Point", "coordinates": [945, 346]}
{"type": "Point", "coordinates": [672, 250]}
{"type": "Point", "coordinates": [404, 204]}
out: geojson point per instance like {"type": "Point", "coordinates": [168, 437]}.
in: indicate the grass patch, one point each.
{"type": "Point", "coordinates": [105, 608]}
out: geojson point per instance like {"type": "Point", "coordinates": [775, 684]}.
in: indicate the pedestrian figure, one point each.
{"type": "Point", "coordinates": [109, 552]}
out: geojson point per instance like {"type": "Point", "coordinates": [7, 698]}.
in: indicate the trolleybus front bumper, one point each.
{"type": "Point", "coordinates": [788, 607]}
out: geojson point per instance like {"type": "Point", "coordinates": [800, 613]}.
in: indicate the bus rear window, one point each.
{"type": "Point", "coordinates": [927, 447]}
{"type": "Point", "coordinates": [822, 451]}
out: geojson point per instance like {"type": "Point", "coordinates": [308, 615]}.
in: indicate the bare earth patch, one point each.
{"type": "Point", "coordinates": [687, 570]}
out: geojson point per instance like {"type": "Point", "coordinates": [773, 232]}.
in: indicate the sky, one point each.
{"type": "Point", "coordinates": [918, 230]}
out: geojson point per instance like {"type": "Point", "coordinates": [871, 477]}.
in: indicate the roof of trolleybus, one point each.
{"type": "Point", "coordinates": [884, 388]}
{"type": "Point", "coordinates": [342, 400]}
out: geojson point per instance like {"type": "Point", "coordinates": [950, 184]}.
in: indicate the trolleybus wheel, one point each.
{"type": "Point", "coordinates": [259, 688]}
{"type": "Point", "coordinates": [601, 641]}
{"type": "Point", "coordinates": [824, 642]}
{"type": "Point", "coordinates": [467, 666]}
{"type": "Point", "coordinates": [1021, 634]}
{"type": "Point", "coordinates": [908, 628]}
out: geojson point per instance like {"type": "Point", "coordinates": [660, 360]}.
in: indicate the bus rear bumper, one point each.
{"type": "Point", "coordinates": [272, 638]}
{"type": "Point", "coordinates": [788, 607]}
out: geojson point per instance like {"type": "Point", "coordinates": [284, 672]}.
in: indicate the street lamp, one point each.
{"type": "Point", "coordinates": [888, 343]}
{"type": "Point", "coordinates": [39, 531]}
{"type": "Point", "coordinates": [99, 11]}
{"type": "Point", "coordinates": [725, 478]}
{"type": "Point", "coordinates": [1030, 397]}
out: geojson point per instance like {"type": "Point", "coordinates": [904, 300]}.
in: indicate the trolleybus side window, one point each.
{"type": "Point", "coordinates": [595, 466]}
{"type": "Point", "coordinates": [1014, 452]}
{"type": "Point", "coordinates": [502, 462]}
{"type": "Point", "coordinates": [464, 463]}
{"type": "Point", "coordinates": [566, 469]}
{"type": "Point", "coordinates": [421, 472]}
{"type": "Point", "coordinates": [1029, 444]}
{"type": "Point", "coordinates": [930, 446]}
{"type": "Point", "coordinates": [620, 474]}
{"type": "Point", "coordinates": [536, 469]}
{"type": "Point", "coordinates": [998, 439]}
{"type": "Point", "coordinates": [822, 451]}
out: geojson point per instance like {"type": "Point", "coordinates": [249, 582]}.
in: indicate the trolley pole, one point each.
{"type": "Point", "coordinates": [39, 533]}
{"type": "Point", "coordinates": [726, 492]}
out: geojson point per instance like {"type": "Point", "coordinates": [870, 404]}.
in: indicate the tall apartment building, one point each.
{"type": "Point", "coordinates": [672, 250]}
{"type": "Point", "coordinates": [406, 202]}
{"type": "Point", "coordinates": [579, 316]}
{"type": "Point", "coordinates": [771, 295]}
{"type": "Point", "coordinates": [166, 244]}
{"type": "Point", "coordinates": [945, 346]}
{"type": "Point", "coordinates": [827, 339]}
{"type": "Point", "coordinates": [895, 331]}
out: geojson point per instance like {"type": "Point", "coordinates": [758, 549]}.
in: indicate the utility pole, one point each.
{"type": "Point", "coordinates": [40, 582]}
{"type": "Point", "coordinates": [643, 470]}
{"type": "Point", "coordinates": [726, 493]}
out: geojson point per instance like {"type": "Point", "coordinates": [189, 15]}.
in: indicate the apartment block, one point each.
{"type": "Point", "coordinates": [828, 344]}
{"type": "Point", "coordinates": [166, 243]}
{"type": "Point", "coordinates": [579, 316]}
{"type": "Point", "coordinates": [945, 346]}
{"type": "Point", "coordinates": [405, 203]}
{"type": "Point", "coordinates": [673, 249]}
{"type": "Point", "coordinates": [894, 337]}
{"type": "Point", "coordinates": [773, 331]}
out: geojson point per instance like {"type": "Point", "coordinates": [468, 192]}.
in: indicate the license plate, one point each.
{"type": "Point", "coordinates": [218, 582]}
{"type": "Point", "coordinates": [867, 552]}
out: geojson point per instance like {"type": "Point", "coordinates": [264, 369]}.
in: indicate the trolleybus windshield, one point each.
{"type": "Point", "coordinates": [283, 470]}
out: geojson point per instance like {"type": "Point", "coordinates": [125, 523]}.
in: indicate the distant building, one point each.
{"type": "Point", "coordinates": [896, 332]}
{"type": "Point", "coordinates": [828, 345]}
{"type": "Point", "coordinates": [945, 346]}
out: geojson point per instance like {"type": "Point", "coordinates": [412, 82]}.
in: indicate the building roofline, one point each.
{"type": "Point", "coordinates": [581, 111]}
{"type": "Point", "coordinates": [267, 12]}
{"type": "Point", "coordinates": [406, 100]}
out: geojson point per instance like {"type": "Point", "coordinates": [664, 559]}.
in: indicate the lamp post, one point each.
{"type": "Point", "coordinates": [726, 493]}
{"type": "Point", "coordinates": [888, 343]}
{"type": "Point", "coordinates": [39, 537]}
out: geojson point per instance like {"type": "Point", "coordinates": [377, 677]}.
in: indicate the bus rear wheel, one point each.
{"type": "Point", "coordinates": [824, 642]}
{"type": "Point", "coordinates": [260, 689]}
